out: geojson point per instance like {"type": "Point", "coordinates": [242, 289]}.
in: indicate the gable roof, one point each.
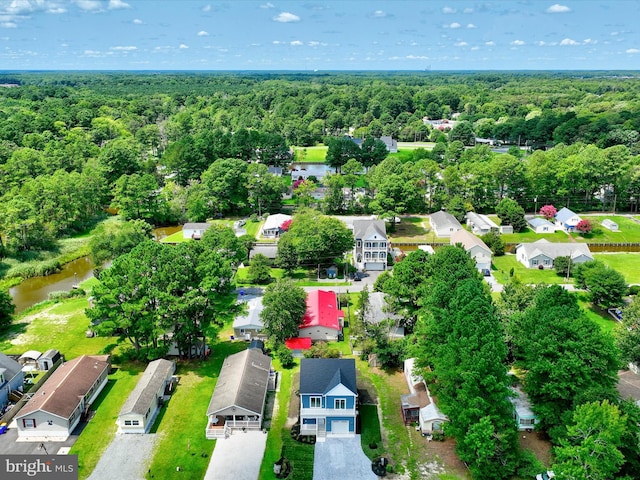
{"type": "Point", "coordinates": [539, 222]}
{"type": "Point", "coordinates": [10, 366]}
{"type": "Point", "coordinates": [554, 250]}
{"type": "Point", "coordinates": [322, 310]}
{"type": "Point", "coordinates": [196, 226]}
{"type": "Point", "coordinates": [481, 222]}
{"type": "Point", "coordinates": [275, 221]}
{"type": "Point", "coordinates": [150, 383]}
{"type": "Point", "coordinates": [468, 240]}
{"type": "Point", "coordinates": [242, 382]}
{"type": "Point", "coordinates": [564, 214]}
{"type": "Point", "coordinates": [321, 375]}
{"type": "Point", "coordinates": [62, 392]}
{"type": "Point", "coordinates": [442, 219]}
{"type": "Point", "coordinates": [252, 317]}
{"type": "Point", "coordinates": [369, 228]}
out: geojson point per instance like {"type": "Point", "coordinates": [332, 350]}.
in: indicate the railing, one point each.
{"type": "Point", "coordinates": [218, 432]}
{"type": "Point", "coordinates": [327, 412]}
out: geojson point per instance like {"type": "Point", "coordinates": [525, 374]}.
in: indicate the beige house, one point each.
{"type": "Point", "coordinates": [64, 399]}
{"type": "Point", "coordinates": [474, 246]}
{"type": "Point", "coordinates": [139, 411]}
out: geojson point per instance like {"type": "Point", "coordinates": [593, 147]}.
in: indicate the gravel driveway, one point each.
{"type": "Point", "coordinates": [127, 457]}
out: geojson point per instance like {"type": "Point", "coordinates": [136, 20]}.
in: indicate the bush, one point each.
{"type": "Point", "coordinates": [284, 355]}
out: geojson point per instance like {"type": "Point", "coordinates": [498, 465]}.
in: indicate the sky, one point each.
{"type": "Point", "coordinates": [319, 35]}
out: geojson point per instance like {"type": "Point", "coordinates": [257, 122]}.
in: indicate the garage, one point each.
{"type": "Point", "coordinates": [339, 427]}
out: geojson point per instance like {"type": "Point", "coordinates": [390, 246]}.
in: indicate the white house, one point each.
{"type": "Point", "coordinates": [11, 379]}
{"type": "Point", "coordinates": [480, 224]}
{"type": "Point", "coordinates": [139, 411]}
{"type": "Point", "coordinates": [474, 246]}
{"type": "Point", "coordinates": [271, 227]}
{"type": "Point", "coordinates": [418, 406]}
{"type": "Point", "coordinates": [610, 224]}
{"type": "Point", "coordinates": [540, 225]}
{"type": "Point", "coordinates": [542, 253]}
{"type": "Point", "coordinates": [522, 414]}
{"type": "Point", "coordinates": [371, 245]}
{"type": "Point", "coordinates": [444, 224]}
{"type": "Point", "coordinates": [194, 230]}
{"type": "Point", "coordinates": [64, 399]}
{"type": "Point", "coordinates": [249, 325]}
{"type": "Point", "coordinates": [567, 220]}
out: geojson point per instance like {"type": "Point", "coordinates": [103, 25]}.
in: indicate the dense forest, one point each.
{"type": "Point", "coordinates": [168, 147]}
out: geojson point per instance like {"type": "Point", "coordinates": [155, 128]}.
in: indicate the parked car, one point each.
{"type": "Point", "coordinates": [545, 475]}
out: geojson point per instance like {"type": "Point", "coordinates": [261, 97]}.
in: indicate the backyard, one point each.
{"type": "Point", "coordinates": [502, 267]}
{"type": "Point", "coordinates": [411, 229]}
{"type": "Point", "coordinates": [628, 264]}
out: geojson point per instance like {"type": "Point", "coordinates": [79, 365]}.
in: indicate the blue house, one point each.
{"type": "Point", "coordinates": [328, 396]}
{"type": "Point", "coordinates": [11, 379]}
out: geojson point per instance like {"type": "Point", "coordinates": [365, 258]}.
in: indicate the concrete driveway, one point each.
{"type": "Point", "coordinates": [341, 458]}
{"type": "Point", "coordinates": [237, 457]}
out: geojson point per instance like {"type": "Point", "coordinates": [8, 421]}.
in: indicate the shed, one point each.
{"type": "Point", "coordinates": [610, 224]}
{"type": "Point", "coordinates": [506, 229]}
{"type": "Point", "coordinates": [522, 413]}
{"type": "Point", "coordinates": [48, 359]}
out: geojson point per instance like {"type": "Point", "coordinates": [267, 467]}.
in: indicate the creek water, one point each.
{"type": "Point", "coordinates": [37, 289]}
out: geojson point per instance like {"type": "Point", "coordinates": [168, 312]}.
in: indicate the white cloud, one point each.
{"type": "Point", "coordinates": [454, 25]}
{"type": "Point", "coordinates": [475, 47]}
{"type": "Point", "coordinates": [118, 5]}
{"type": "Point", "coordinates": [460, 44]}
{"type": "Point", "coordinates": [568, 41]}
{"type": "Point", "coordinates": [268, 5]}
{"type": "Point", "coordinates": [313, 43]}
{"type": "Point", "coordinates": [203, 33]}
{"type": "Point", "coordinates": [589, 41]}
{"type": "Point", "coordinates": [490, 43]}
{"type": "Point", "coordinates": [540, 43]}
{"type": "Point", "coordinates": [276, 42]}
{"type": "Point", "coordinates": [379, 14]}
{"type": "Point", "coordinates": [614, 34]}
{"type": "Point", "coordinates": [286, 17]}
{"type": "Point", "coordinates": [417, 57]}
{"type": "Point", "coordinates": [88, 5]}
{"type": "Point", "coordinates": [56, 10]}
{"type": "Point", "coordinates": [632, 50]}
{"type": "Point", "coordinates": [137, 21]}
{"type": "Point", "coordinates": [448, 10]}
{"type": "Point", "coordinates": [183, 46]}
{"type": "Point", "coordinates": [124, 49]}
{"type": "Point", "coordinates": [17, 7]}
{"type": "Point", "coordinates": [468, 10]}
{"type": "Point", "coordinates": [471, 25]}
{"type": "Point", "coordinates": [517, 42]}
{"type": "Point", "coordinates": [8, 24]}
{"type": "Point", "coordinates": [557, 8]}
{"type": "Point", "coordinates": [296, 43]}
{"type": "Point", "coordinates": [92, 53]}
{"type": "Point", "coordinates": [206, 8]}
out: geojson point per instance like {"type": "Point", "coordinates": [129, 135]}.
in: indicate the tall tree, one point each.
{"type": "Point", "coordinates": [6, 309]}
{"type": "Point", "coordinates": [340, 150]}
{"type": "Point", "coordinates": [510, 213]}
{"type": "Point", "coordinates": [284, 307]}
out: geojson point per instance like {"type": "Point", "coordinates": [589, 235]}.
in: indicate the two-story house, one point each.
{"type": "Point", "coordinates": [328, 396]}
{"type": "Point", "coordinates": [371, 245]}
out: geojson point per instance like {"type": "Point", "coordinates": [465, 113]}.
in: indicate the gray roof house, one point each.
{"type": "Point", "coordinates": [480, 224]}
{"type": "Point", "coordinates": [540, 225]}
{"type": "Point", "coordinates": [444, 224]}
{"type": "Point", "coordinates": [11, 378]}
{"type": "Point", "coordinates": [542, 253]}
{"type": "Point", "coordinates": [522, 414]}
{"type": "Point", "coordinates": [239, 396]}
{"type": "Point", "coordinates": [194, 230]}
{"type": "Point", "coordinates": [379, 312]}
{"type": "Point", "coordinates": [249, 325]}
{"type": "Point", "coordinates": [371, 245]}
{"type": "Point", "coordinates": [139, 411]}
{"type": "Point", "coordinates": [474, 246]}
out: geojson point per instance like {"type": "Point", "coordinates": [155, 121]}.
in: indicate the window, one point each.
{"type": "Point", "coordinates": [340, 404]}
{"type": "Point", "coordinates": [127, 422]}
{"type": "Point", "coordinates": [534, 262]}
{"type": "Point", "coordinates": [367, 244]}
{"type": "Point", "coordinates": [359, 243]}
{"type": "Point", "coordinates": [527, 421]}
{"type": "Point", "coordinates": [383, 255]}
{"type": "Point", "coordinates": [135, 422]}
{"type": "Point", "coordinates": [28, 423]}
{"type": "Point", "coordinates": [367, 255]}
{"type": "Point", "coordinates": [315, 402]}
{"type": "Point", "coordinates": [383, 244]}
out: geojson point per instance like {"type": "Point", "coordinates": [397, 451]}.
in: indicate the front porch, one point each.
{"type": "Point", "coordinates": [220, 426]}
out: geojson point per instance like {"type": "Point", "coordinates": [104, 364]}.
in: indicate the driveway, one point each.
{"type": "Point", "coordinates": [237, 457]}
{"type": "Point", "coordinates": [127, 456]}
{"type": "Point", "coordinates": [341, 458]}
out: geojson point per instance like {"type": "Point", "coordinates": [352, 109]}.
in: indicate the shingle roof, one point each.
{"type": "Point", "coordinates": [322, 310]}
{"type": "Point", "coordinates": [62, 392]}
{"type": "Point", "coordinates": [242, 382]}
{"type": "Point", "coordinates": [275, 221]}
{"type": "Point", "coordinates": [377, 308]}
{"type": "Point", "coordinates": [564, 214]}
{"type": "Point", "coordinates": [150, 383]}
{"type": "Point", "coordinates": [320, 375]}
{"type": "Point", "coordinates": [539, 222]}
{"type": "Point", "coordinates": [443, 219]}
{"type": "Point", "coordinates": [10, 366]}
{"type": "Point", "coordinates": [554, 250]}
{"type": "Point", "coordinates": [252, 317]}
{"type": "Point", "coordinates": [368, 228]}
{"type": "Point", "coordinates": [468, 240]}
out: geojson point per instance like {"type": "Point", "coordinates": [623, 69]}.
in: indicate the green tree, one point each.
{"type": "Point", "coordinates": [264, 189]}
{"type": "Point", "coordinates": [457, 207]}
{"type": "Point", "coordinates": [605, 285]}
{"type": "Point", "coordinates": [463, 131]}
{"type": "Point", "coordinates": [136, 198]}
{"type": "Point", "coordinates": [222, 240]}
{"type": "Point", "coordinates": [340, 150]}
{"type": "Point", "coordinates": [628, 337]}
{"type": "Point", "coordinates": [119, 157]}
{"type": "Point", "coordinates": [591, 448]}
{"type": "Point", "coordinates": [334, 199]}
{"type": "Point", "coordinates": [372, 152]}
{"type": "Point", "coordinates": [287, 256]}
{"type": "Point", "coordinates": [224, 186]}
{"type": "Point", "coordinates": [284, 307]}
{"type": "Point", "coordinates": [510, 213]}
{"type": "Point", "coordinates": [112, 239]}
{"type": "Point", "coordinates": [259, 269]}
{"type": "Point", "coordinates": [563, 266]}
{"type": "Point", "coordinates": [303, 192]}
{"type": "Point", "coordinates": [494, 241]}
{"type": "Point", "coordinates": [6, 309]}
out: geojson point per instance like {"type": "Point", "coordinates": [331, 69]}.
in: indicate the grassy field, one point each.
{"type": "Point", "coordinates": [99, 432]}
{"type": "Point", "coordinates": [628, 264]}
{"type": "Point", "coordinates": [315, 154]}
{"type": "Point", "coordinates": [530, 236]}
{"type": "Point", "coordinates": [629, 231]}
{"type": "Point", "coordinates": [370, 431]}
{"type": "Point", "coordinates": [411, 230]}
{"type": "Point", "coordinates": [252, 229]}
{"type": "Point", "coordinates": [303, 277]}
{"type": "Point", "coordinates": [503, 265]}
{"type": "Point", "coordinates": [599, 316]}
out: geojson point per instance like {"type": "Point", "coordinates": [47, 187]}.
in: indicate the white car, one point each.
{"type": "Point", "coordinates": [545, 475]}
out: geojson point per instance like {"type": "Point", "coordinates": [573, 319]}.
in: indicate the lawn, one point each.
{"type": "Point", "coordinates": [599, 316]}
{"type": "Point", "coordinates": [629, 231]}
{"type": "Point", "coordinates": [628, 264]}
{"type": "Point", "coordinates": [503, 265]}
{"type": "Point", "coordinates": [99, 432]}
{"type": "Point", "coordinates": [315, 154]}
{"type": "Point", "coordinates": [530, 236]}
{"type": "Point", "coordinates": [302, 277]}
{"type": "Point", "coordinates": [410, 230]}
{"type": "Point", "coordinates": [370, 435]}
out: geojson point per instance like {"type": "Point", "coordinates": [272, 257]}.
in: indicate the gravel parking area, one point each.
{"type": "Point", "coordinates": [238, 457]}
{"type": "Point", "coordinates": [341, 458]}
{"type": "Point", "coordinates": [128, 456]}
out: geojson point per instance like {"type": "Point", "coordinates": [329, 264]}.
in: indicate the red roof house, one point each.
{"type": "Point", "coordinates": [323, 319]}
{"type": "Point", "coordinates": [297, 345]}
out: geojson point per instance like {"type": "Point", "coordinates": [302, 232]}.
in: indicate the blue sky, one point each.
{"type": "Point", "coordinates": [319, 35]}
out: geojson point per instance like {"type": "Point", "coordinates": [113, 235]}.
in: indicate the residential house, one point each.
{"type": "Point", "coordinates": [323, 320]}
{"type": "Point", "coordinates": [522, 413]}
{"type": "Point", "coordinates": [418, 406]}
{"type": "Point", "coordinates": [328, 395]}
{"type": "Point", "coordinates": [371, 245]}
{"type": "Point", "coordinates": [194, 230]}
{"type": "Point", "coordinates": [390, 143]}
{"type": "Point", "coordinates": [567, 220]}
{"type": "Point", "coordinates": [427, 248]}
{"type": "Point", "coordinates": [474, 246]}
{"type": "Point", "coordinates": [249, 325]}
{"type": "Point", "coordinates": [628, 385]}
{"type": "Point", "coordinates": [480, 224]}
{"type": "Point", "coordinates": [610, 224]}
{"type": "Point", "coordinates": [11, 380]}
{"type": "Point", "coordinates": [64, 399]}
{"type": "Point", "coordinates": [542, 253]}
{"type": "Point", "coordinates": [540, 225]}
{"type": "Point", "coordinates": [269, 250]}
{"type": "Point", "coordinates": [379, 311]}
{"type": "Point", "coordinates": [444, 224]}
{"type": "Point", "coordinates": [239, 396]}
{"type": "Point", "coordinates": [272, 225]}
{"type": "Point", "coordinates": [139, 411]}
